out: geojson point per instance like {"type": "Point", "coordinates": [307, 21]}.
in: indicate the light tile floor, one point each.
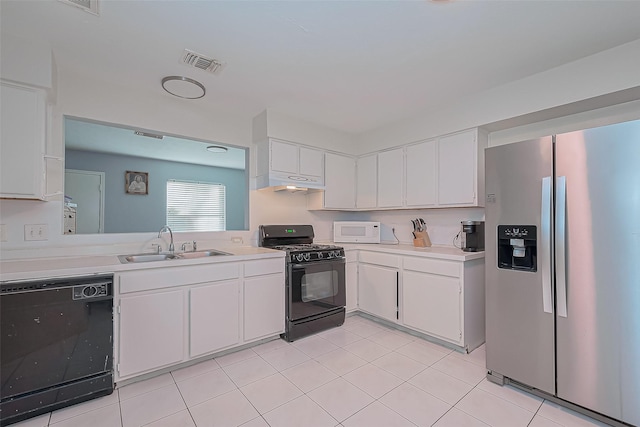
{"type": "Point", "coordinates": [359, 375]}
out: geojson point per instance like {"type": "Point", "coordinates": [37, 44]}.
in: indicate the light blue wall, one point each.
{"type": "Point", "coordinates": [126, 213]}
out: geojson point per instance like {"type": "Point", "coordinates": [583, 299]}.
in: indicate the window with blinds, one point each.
{"type": "Point", "coordinates": [195, 206]}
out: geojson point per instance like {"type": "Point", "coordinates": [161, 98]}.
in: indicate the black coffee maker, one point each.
{"type": "Point", "coordinates": [472, 236]}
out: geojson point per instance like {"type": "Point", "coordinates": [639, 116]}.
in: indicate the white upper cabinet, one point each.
{"type": "Point", "coordinates": [461, 169]}
{"type": "Point", "coordinates": [340, 184]}
{"type": "Point", "coordinates": [340, 191]}
{"type": "Point", "coordinates": [421, 172]}
{"type": "Point", "coordinates": [440, 172]}
{"type": "Point", "coordinates": [285, 163]}
{"type": "Point", "coordinates": [23, 130]}
{"type": "Point", "coordinates": [311, 162]}
{"type": "Point", "coordinates": [390, 178]}
{"type": "Point", "coordinates": [367, 181]}
{"type": "Point", "coordinates": [284, 157]}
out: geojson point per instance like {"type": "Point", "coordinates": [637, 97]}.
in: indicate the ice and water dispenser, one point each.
{"type": "Point", "coordinates": [517, 247]}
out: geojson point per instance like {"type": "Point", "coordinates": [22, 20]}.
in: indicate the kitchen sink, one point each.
{"type": "Point", "coordinates": [201, 254]}
{"type": "Point", "coordinates": [126, 259]}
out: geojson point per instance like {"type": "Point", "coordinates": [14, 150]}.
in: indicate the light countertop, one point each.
{"type": "Point", "coordinates": [36, 268]}
{"type": "Point", "coordinates": [438, 252]}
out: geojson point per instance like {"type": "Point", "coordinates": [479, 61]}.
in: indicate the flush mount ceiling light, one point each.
{"type": "Point", "coordinates": [147, 134]}
{"type": "Point", "coordinates": [183, 87]}
{"type": "Point", "coordinates": [217, 149]}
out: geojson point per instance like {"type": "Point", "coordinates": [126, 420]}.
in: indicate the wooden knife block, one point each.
{"type": "Point", "coordinates": [422, 239]}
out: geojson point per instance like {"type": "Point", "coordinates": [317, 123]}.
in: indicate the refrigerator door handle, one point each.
{"type": "Point", "coordinates": [545, 255]}
{"type": "Point", "coordinates": [561, 278]}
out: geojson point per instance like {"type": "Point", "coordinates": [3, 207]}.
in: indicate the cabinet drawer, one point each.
{"type": "Point", "coordinates": [433, 266]}
{"type": "Point", "coordinates": [266, 266]}
{"type": "Point", "coordinates": [380, 259]}
{"type": "Point", "coordinates": [144, 280]}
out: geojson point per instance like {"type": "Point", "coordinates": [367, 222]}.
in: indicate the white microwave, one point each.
{"type": "Point", "coordinates": [356, 232]}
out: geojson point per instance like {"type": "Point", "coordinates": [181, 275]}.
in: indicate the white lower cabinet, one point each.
{"type": "Point", "coordinates": [440, 298]}
{"type": "Point", "coordinates": [170, 315]}
{"type": "Point", "coordinates": [263, 306]}
{"type": "Point", "coordinates": [378, 291]}
{"type": "Point", "coordinates": [151, 334]}
{"type": "Point", "coordinates": [432, 304]}
{"type": "Point", "coordinates": [211, 306]}
{"type": "Point", "coordinates": [378, 284]}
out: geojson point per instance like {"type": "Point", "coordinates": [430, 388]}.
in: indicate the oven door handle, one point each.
{"type": "Point", "coordinates": [325, 262]}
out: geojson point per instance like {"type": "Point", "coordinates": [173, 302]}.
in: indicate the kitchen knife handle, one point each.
{"type": "Point", "coordinates": [561, 276]}
{"type": "Point", "coordinates": [545, 249]}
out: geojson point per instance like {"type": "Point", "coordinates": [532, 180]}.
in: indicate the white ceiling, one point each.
{"type": "Point", "coordinates": [349, 65]}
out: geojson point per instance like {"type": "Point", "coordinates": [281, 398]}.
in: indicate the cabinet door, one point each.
{"type": "Point", "coordinates": [311, 162]}
{"type": "Point", "coordinates": [390, 177]}
{"type": "Point", "coordinates": [457, 169]}
{"type": "Point", "coordinates": [378, 291]}
{"type": "Point", "coordinates": [151, 332]}
{"type": "Point", "coordinates": [284, 157]}
{"type": "Point", "coordinates": [421, 174]}
{"type": "Point", "coordinates": [263, 306]}
{"type": "Point", "coordinates": [340, 182]}
{"type": "Point", "coordinates": [432, 304]}
{"type": "Point", "coordinates": [22, 132]}
{"type": "Point", "coordinates": [214, 317]}
{"type": "Point", "coordinates": [366, 181]}
{"type": "Point", "coordinates": [352, 286]}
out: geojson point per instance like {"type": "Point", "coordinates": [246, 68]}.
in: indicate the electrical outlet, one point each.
{"type": "Point", "coordinates": [236, 240]}
{"type": "Point", "coordinates": [3, 232]}
{"type": "Point", "coordinates": [36, 232]}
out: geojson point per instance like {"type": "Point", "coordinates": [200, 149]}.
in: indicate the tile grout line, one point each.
{"type": "Point", "coordinates": [183, 400]}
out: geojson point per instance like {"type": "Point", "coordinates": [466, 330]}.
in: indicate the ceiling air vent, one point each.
{"type": "Point", "coordinates": [90, 6]}
{"type": "Point", "coordinates": [197, 60]}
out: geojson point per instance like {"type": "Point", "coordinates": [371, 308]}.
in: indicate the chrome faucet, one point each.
{"type": "Point", "coordinates": [166, 228]}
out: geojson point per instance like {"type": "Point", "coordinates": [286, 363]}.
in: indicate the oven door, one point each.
{"type": "Point", "coordinates": [315, 288]}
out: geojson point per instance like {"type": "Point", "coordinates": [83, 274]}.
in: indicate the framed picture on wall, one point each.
{"type": "Point", "coordinates": [136, 182]}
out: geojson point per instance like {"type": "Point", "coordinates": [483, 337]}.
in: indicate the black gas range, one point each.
{"type": "Point", "coordinates": [315, 279]}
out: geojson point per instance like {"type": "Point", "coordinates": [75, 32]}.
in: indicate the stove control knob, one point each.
{"type": "Point", "coordinates": [307, 256]}
{"type": "Point", "coordinates": [320, 255]}
{"type": "Point", "coordinates": [299, 257]}
{"type": "Point", "coordinates": [329, 254]}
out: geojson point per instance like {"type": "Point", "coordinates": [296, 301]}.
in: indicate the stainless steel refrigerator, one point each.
{"type": "Point", "coordinates": [563, 267]}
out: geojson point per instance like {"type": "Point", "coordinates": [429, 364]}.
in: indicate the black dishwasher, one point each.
{"type": "Point", "coordinates": [56, 347]}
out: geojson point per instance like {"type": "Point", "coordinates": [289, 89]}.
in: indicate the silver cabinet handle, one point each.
{"type": "Point", "coordinates": [545, 249]}
{"type": "Point", "coordinates": [561, 274]}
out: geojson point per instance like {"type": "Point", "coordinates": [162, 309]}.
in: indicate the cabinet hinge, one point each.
{"type": "Point", "coordinates": [119, 309]}
{"type": "Point", "coordinates": [118, 368]}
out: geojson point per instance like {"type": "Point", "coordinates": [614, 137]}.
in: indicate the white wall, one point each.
{"type": "Point", "coordinates": [603, 73]}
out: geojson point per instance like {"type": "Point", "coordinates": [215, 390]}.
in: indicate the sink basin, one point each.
{"type": "Point", "coordinates": [125, 259]}
{"type": "Point", "coordinates": [200, 254]}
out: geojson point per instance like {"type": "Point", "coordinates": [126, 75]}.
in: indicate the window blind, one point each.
{"type": "Point", "coordinates": [196, 206]}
